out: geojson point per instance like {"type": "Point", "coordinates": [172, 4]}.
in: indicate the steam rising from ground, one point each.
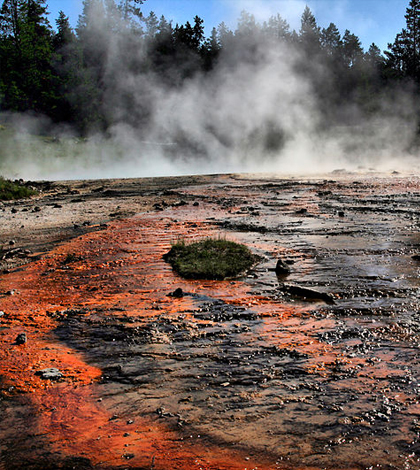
{"type": "Point", "coordinates": [244, 116]}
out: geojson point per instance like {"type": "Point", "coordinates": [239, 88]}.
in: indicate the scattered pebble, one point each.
{"type": "Point", "coordinates": [21, 338]}
{"type": "Point", "coordinates": [177, 293]}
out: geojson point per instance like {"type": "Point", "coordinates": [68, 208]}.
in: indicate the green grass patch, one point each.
{"type": "Point", "coordinates": [211, 258]}
{"type": "Point", "coordinates": [10, 190]}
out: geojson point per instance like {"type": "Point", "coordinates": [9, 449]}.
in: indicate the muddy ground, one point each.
{"type": "Point", "coordinates": [102, 368]}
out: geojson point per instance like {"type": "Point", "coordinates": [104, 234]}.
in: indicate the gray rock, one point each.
{"type": "Point", "coordinates": [50, 373]}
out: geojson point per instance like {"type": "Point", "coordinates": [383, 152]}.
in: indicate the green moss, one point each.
{"type": "Point", "coordinates": [10, 190]}
{"type": "Point", "coordinates": [210, 259]}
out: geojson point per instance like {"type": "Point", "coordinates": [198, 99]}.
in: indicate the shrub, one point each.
{"type": "Point", "coordinates": [210, 259]}
{"type": "Point", "coordinates": [10, 190]}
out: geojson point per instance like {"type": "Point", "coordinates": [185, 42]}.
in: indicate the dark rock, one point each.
{"type": "Point", "coordinates": [14, 211]}
{"type": "Point", "coordinates": [341, 214]}
{"type": "Point", "coordinates": [282, 268]}
{"type": "Point", "coordinates": [160, 206]}
{"type": "Point", "coordinates": [98, 190]}
{"type": "Point", "coordinates": [36, 209]}
{"type": "Point", "coordinates": [177, 293]}
{"type": "Point", "coordinates": [180, 203]}
{"type": "Point", "coordinates": [416, 257]}
{"type": "Point", "coordinates": [196, 204]}
{"type": "Point", "coordinates": [21, 338]}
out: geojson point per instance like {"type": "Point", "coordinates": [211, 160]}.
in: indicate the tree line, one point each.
{"type": "Point", "coordinates": [63, 73]}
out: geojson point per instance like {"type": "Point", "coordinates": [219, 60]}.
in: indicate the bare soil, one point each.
{"type": "Point", "coordinates": [314, 369]}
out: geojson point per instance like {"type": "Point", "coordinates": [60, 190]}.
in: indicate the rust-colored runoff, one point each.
{"type": "Point", "coordinates": [232, 374]}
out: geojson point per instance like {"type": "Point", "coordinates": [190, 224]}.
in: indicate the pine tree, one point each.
{"type": "Point", "coordinates": [352, 49]}
{"type": "Point", "coordinates": [25, 52]}
{"type": "Point", "coordinates": [277, 28]}
{"type": "Point", "coordinates": [67, 61]}
{"type": "Point", "coordinates": [331, 40]}
{"type": "Point", "coordinates": [403, 55]}
{"type": "Point", "coordinates": [211, 50]}
{"type": "Point", "coordinates": [310, 33]}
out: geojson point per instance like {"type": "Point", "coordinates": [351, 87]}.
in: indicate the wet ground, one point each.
{"type": "Point", "coordinates": [317, 369]}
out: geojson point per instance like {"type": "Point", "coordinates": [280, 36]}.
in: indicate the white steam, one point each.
{"type": "Point", "coordinates": [244, 116]}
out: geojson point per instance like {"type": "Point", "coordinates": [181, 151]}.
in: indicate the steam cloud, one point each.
{"type": "Point", "coordinates": [245, 116]}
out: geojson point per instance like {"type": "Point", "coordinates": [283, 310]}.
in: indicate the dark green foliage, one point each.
{"type": "Point", "coordinates": [404, 54]}
{"type": "Point", "coordinates": [10, 190]}
{"type": "Point", "coordinates": [310, 33]}
{"type": "Point", "coordinates": [210, 259]}
{"type": "Point", "coordinates": [69, 77]}
{"type": "Point", "coordinates": [25, 54]}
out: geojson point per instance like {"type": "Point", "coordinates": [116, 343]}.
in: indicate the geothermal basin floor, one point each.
{"type": "Point", "coordinates": [102, 368]}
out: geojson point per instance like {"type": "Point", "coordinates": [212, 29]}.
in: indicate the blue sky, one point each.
{"type": "Point", "coordinates": [375, 21]}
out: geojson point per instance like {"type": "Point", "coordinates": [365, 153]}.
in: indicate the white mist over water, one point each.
{"type": "Point", "coordinates": [244, 116]}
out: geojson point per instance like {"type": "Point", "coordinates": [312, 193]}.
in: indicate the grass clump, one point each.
{"type": "Point", "coordinates": [10, 190]}
{"type": "Point", "coordinates": [215, 259]}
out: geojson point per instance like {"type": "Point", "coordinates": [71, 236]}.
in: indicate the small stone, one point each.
{"type": "Point", "coordinates": [12, 242]}
{"type": "Point", "coordinates": [180, 203]}
{"type": "Point", "coordinates": [341, 214]}
{"type": "Point", "coordinates": [51, 373]}
{"type": "Point", "coordinates": [282, 268]}
{"type": "Point", "coordinates": [21, 338]}
{"type": "Point", "coordinates": [416, 257]}
{"type": "Point", "coordinates": [177, 293]}
{"type": "Point", "coordinates": [36, 209]}
{"type": "Point", "coordinates": [14, 210]}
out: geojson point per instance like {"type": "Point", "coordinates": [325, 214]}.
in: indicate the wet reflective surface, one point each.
{"type": "Point", "coordinates": [234, 374]}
